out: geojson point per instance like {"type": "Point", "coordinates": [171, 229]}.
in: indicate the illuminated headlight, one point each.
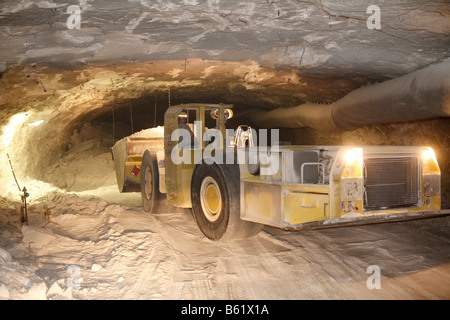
{"type": "Point", "coordinates": [353, 160]}
{"type": "Point", "coordinates": [428, 155]}
{"type": "Point", "coordinates": [353, 156]}
{"type": "Point", "coordinates": [430, 165]}
{"type": "Point", "coordinates": [352, 185]}
{"type": "Point", "coordinates": [431, 179]}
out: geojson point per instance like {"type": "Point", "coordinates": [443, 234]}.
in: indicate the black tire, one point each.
{"type": "Point", "coordinates": [151, 197]}
{"type": "Point", "coordinates": [225, 224]}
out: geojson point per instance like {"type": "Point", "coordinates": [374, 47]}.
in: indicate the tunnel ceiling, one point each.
{"type": "Point", "coordinates": [265, 54]}
{"type": "Point", "coordinates": [313, 50]}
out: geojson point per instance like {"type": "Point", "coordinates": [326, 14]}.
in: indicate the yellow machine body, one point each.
{"type": "Point", "coordinates": [294, 187]}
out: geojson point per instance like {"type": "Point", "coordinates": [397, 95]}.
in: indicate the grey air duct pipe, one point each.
{"type": "Point", "coordinates": [420, 95]}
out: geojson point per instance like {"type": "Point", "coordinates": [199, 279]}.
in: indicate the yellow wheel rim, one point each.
{"type": "Point", "coordinates": [211, 199]}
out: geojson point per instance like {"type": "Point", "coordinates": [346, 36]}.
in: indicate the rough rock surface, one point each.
{"type": "Point", "coordinates": [329, 36]}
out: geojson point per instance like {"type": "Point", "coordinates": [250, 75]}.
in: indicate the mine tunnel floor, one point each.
{"type": "Point", "coordinates": [116, 251]}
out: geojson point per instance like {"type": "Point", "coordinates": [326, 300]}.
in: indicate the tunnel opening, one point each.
{"type": "Point", "coordinates": [83, 160]}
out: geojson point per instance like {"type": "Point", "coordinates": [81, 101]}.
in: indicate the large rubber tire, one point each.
{"type": "Point", "coordinates": [151, 197]}
{"type": "Point", "coordinates": [219, 219]}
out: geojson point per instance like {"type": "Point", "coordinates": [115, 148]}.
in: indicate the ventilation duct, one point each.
{"type": "Point", "coordinates": [420, 95]}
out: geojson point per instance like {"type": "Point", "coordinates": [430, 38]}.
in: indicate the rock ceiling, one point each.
{"type": "Point", "coordinates": [266, 53]}
{"type": "Point", "coordinates": [318, 38]}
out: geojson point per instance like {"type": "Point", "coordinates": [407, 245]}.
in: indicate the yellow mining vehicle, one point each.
{"type": "Point", "coordinates": [238, 186]}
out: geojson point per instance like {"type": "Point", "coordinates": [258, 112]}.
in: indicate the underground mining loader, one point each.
{"type": "Point", "coordinates": [235, 186]}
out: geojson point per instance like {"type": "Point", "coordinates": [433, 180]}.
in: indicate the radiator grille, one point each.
{"type": "Point", "coordinates": [391, 182]}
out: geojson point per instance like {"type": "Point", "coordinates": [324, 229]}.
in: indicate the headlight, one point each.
{"type": "Point", "coordinates": [351, 185]}
{"type": "Point", "coordinates": [353, 160]}
{"type": "Point", "coordinates": [430, 164]}
{"type": "Point", "coordinates": [428, 154]}
{"type": "Point", "coordinates": [431, 177]}
{"type": "Point", "coordinates": [353, 156]}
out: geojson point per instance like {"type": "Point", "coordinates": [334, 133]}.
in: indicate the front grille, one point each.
{"type": "Point", "coordinates": [391, 182]}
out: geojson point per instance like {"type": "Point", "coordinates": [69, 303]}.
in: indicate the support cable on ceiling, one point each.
{"type": "Point", "coordinates": [131, 116]}
{"type": "Point", "coordinates": [113, 120]}
{"type": "Point", "coordinates": [154, 118]}
{"type": "Point", "coordinates": [169, 97]}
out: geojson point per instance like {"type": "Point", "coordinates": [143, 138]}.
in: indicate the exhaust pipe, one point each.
{"type": "Point", "coordinates": [420, 95]}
